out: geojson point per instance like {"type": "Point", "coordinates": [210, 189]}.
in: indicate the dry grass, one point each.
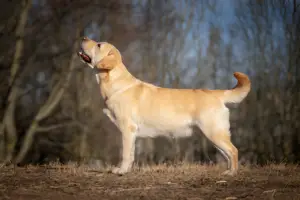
{"type": "Point", "coordinates": [181, 181]}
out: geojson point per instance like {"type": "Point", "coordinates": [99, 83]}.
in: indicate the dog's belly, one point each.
{"type": "Point", "coordinates": [169, 125]}
{"type": "Point", "coordinates": [152, 131]}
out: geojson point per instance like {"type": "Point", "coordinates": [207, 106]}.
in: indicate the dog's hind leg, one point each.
{"type": "Point", "coordinates": [221, 140]}
{"type": "Point", "coordinates": [216, 128]}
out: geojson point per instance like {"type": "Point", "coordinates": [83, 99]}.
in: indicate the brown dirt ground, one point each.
{"type": "Point", "coordinates": [186, 182]}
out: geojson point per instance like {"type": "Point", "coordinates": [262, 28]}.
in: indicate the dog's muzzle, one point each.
{"type": "Point", "coordinates": [84, 57]}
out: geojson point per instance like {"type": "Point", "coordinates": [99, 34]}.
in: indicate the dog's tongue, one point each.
{"type": "Point", "coordinates": [85, 57]}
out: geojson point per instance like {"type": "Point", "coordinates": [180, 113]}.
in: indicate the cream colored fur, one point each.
{"type": "Point", "coordinates": [141, 109]}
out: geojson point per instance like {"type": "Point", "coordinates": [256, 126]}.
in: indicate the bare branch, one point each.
{"type": "Point", "coordinates": [52, 127]}
{"type": "Point", "coordinates": [20, 43]}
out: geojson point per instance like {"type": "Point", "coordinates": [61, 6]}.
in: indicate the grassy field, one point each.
{"type": "Point", "coordinates": [184, 181]}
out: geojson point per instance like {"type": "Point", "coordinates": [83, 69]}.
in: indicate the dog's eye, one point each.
{"type": "Point", "coordinates": [99, 45]}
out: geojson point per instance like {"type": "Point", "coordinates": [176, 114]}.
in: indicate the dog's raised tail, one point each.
{"type": "Point", "coordinates": [236, 94]}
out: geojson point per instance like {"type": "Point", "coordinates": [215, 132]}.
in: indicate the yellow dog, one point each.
{"type": "Point", "coordinates": [140, 109]}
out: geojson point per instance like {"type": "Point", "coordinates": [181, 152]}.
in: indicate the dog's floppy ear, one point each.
{"type": "Point", "coordinates": [112, 59]}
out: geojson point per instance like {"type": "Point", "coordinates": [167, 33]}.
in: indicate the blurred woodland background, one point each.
{"type": "Point", "coordinates": [50, 104]}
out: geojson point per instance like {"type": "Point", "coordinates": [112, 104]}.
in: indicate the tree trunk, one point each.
{"type": "Point", "coordinates": [8, 124]}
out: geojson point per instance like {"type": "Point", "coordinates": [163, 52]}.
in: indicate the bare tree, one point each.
{"type": "Point", "coordinates": [8, 123]}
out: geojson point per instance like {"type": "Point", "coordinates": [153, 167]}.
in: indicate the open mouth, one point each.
{"type": "Point", "coordinates": [84, 57]}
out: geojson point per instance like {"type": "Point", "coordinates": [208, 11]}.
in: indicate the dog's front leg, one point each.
{"type": "Point", "coordinates": [128, 143]}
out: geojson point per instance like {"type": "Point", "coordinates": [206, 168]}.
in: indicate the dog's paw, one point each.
{"type": "Point", "coordinates": [109, 115]}
{"type": "Point", "coordinates": [229, 173]}
{"type": "Point", "coordinates": [105, 111]}
{"type": "Point", "coordinates": [119, 170]}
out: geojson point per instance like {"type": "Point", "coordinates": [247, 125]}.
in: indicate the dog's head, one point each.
{"type": "Point", "coordinates": [99, 55]}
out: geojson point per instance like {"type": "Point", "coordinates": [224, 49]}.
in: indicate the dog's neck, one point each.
{"type": "Point", "coordinates": [115, 80]}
